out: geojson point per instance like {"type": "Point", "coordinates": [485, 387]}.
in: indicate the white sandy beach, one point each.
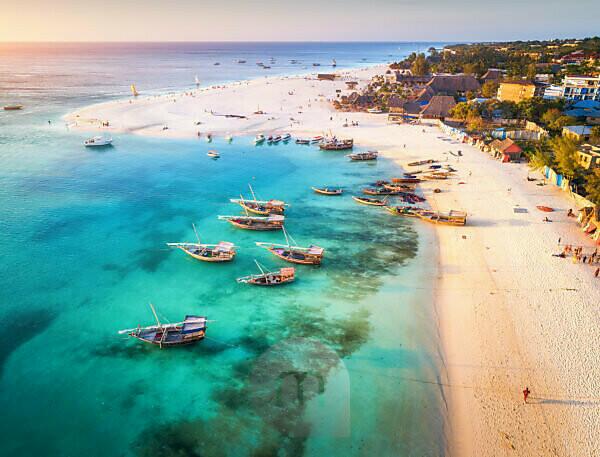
{"type": "Point", "coordinates": [510, 315]}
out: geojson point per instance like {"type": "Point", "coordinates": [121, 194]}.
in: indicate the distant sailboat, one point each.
{"type": "Point", "coordinates": [197, 82]}
{"type": "Point", "coordinates": [134, 91]}
{"type": "Point", "coordinates": [333, 63]}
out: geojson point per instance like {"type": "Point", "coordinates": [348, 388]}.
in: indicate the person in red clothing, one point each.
{"type": "Point", "coordinates": [526, 393]}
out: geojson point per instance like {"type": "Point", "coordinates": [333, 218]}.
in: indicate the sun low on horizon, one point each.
{"type": "Point", "coordinates": [271, 20]}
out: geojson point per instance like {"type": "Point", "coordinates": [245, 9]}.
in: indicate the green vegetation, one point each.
{"type": "Point", "coordinates": [592, 186]}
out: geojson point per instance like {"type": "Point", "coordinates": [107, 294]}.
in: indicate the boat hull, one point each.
{"type": "Point", "coordinates": [257, 226]}
{"type": "Point", "coordinates": [327, 192]}
{"type": "Point", "coordinates": [213, 259]}
{"type": "Point", "coordinates": [372, 202]}
{"type": "Point", "coordinates": [296, 257]}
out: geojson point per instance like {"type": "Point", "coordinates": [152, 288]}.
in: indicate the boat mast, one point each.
{"type": "Point", "coordinates": [155, 315]}
{"type": "Point", "coordinates": [252, 191]}
{"type": "Point", "coordinates": [259, 267]}
{"type": "Point", "coordinates": [197, 237]}
{"type": "Point", "coordinates": [287, 240]}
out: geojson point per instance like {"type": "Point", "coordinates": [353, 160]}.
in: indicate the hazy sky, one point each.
{"type": "Point", "coordinates": [301, 20]}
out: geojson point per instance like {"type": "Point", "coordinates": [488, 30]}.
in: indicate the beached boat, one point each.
{"type": "Point", "coordinates": [213, 154]}
{"type": "Point", "coordinates": [545, 209]}
{"type": "Point", "coordinates": [259, 139]}
{"type": "Point", "coordinates": [311, 255]}
{"type": "Point", "coordinates": [379, 191]}
{"type": "Point", "coordinates": [398, 187]}
{"type": "Point", "coordinates": [408, 211]}
{"type": "Point", "coordinates": [453, 217]}
{"type": "Point", "coordinates": [269, 278]}
{"type": "Point", "coordinates": [328, 190]}
{"type": "Point", "coordinates": [369, 201]}
{"type": "Point", "coordinates": [336, 145]}
{"type": "Point", "coordinates": [97, 141]}
{"type": "Point", "coordinates": [421, 162]}
{"type": "Point", "coordinates": [302, 141]}
{"type": "Point", "coordinates": [191, 330]}
{"type": "Point", "coordinates": [406, 180]}
{"type": "Point", "coordinates": [273, 222]}
{"type": "Point", "coordinates": [361, 156]}
{"type": "Point", "coordinates": [13, 107]}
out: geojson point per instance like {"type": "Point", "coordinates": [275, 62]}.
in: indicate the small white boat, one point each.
{"type": "Point", "coordinates": [316, 139]}
{"type": "Point", "coordinates": [259, 139]}
{"type": "Point", "coordinates": [214, 154]}
{"type": "Point", "coordinates": [97, 141]}
{"type": "Point", "coordinates": [228, 138]}
{"type": "Point", "coordinates": [374, 111]}
{"type": "Point", "coordinates": [276, 139]}
{"type": "Point", "coordinates": [286, 137]}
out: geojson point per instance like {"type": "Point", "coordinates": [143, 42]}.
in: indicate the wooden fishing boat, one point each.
{"type": "Point", "coordinates": [316, 139]}
{"type": "Point", "coordinates": [224, 251]}
{"type": "Point", "coordinates": [408, 211]}
{"type": "Point", "coordinates": [273, 222]}
{"type": "Point", "coordinates": [545, 209]}
{"type": "Point", "coordinates": [286, 137]}
{"type": "Point", "coordinates": [422, 162]}
{"type": "Point", "coordinates": [328, 190]}
{"type": "Point", "coordinates": [453, 217]}
{"type": "Point", "coordinates": [369, 201]}
{"type": "Point", "coordinates": [337, 145]}
{"type": "Point", "coordinates": [13, 107]}
{"type": "Point", "coordinates": [191, 330]}
{"type": "Point", "coordinates": [399, 187]}
{"type": "Point", "coordinates": [261, 207]}
{"type": "Point", "coordinates": [269, 278]}
{"type": "Point", "coordinates": [379, 191]}
{"type": "Point", "coordinates": [259, 139]}
{"type": "Point", "coordinates": [361, 156]}
{"type": "Point", "coordinates": [312, 255]}
{"type": "Point", "coordinates": [302, 141]}
{"type": "Point", "coordinates": [406, 180]}
{"type": "Point", "coordinates": [276, 139]}
{"type": "Point", "coordinates": [213, 154]}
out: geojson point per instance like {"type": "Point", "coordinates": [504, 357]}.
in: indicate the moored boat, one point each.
{"type": "Point", "coordinates": [453, 217]}
{"type": "Point", "coordinates": [337, 145]}
{"type": "Point", "coordinates": [286, 137]}
{"type": "Point", "coordinates": [276, 139]}
{"type": "Point", "coordinates": [361, 156]}
{"type": "Point", "coordinates": [262, 207]}
{"type": "Point", "coordinates": [13, 107]}
{"type": "Point", "coordinates": [273, 222]}
{"type": "Point", "coordinates": [379, 191]}
{"type": "Point", "coordinates": [97, 141]}
{"type": "Point", "coordinates": [213, 154]}
{"type": "Point", "coordinates": [259, 139]}
{"type": "Point", "coordinates": [191, 330]}
{"type": "Point", "coordinates": [311, 255]}
{"type": "Point", "coordinates": [302, 141]}
{"type": "Point", "coordinates": [408, 211]}
{"type": "Point", "coordinates": [316, 139]}
{"type": "Point", "coordinates": [224, 251]}
{"type": "Point", "coordinates": [369, 201]}
{"type": "Point", "coordinates": [270, 278]}
{"type": "Point", "coordinates": [328, 190]}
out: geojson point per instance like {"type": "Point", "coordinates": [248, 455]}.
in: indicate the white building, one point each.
{"type": "Point", "coordinates": [576, 88]}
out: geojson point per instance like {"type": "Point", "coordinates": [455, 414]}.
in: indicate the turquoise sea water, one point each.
{"type": "Point", "coordinates": [332, 364]}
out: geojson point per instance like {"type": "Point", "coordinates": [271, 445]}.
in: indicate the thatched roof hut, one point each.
{"type": "Point", "coordinates": [438, 107]}
{"type": "Point", "coordinates": [454, 84]}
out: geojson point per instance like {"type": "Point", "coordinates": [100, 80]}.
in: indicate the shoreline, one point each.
{"type": "Point", "coordinates": [509, 315]}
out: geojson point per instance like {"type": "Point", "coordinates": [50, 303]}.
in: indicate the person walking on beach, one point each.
{"type": "Point", "coordinates": [526, 393]}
